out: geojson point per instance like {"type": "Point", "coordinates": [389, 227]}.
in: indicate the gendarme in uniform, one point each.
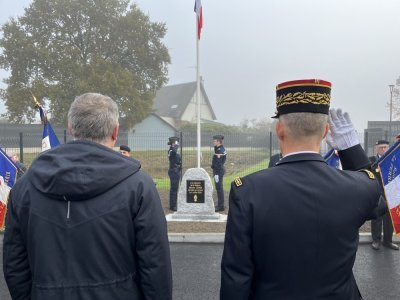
{"type": "Point", "coordinates": [292, 230]}
{"type": "Point", "coordinates": [217, 165]}
{"type": "Point", "coordinates": [384, 222]}
{"type": "Point", "coordinates": [174, 171]}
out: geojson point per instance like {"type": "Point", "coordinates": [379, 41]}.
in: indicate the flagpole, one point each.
{"type": "Point", "coordinates": [198, 95]}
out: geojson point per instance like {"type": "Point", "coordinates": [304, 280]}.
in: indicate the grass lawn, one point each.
{"type": "Point", "coordinates": [250, 169]}
{"type": "Point", "coordinates": [240, 162]}
{"type": "Point", "coordinates": [163, 183]}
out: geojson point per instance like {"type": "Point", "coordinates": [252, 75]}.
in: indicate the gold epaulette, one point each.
{"type": "Point", "coordinates": [369, 173]}
{"type": "Point", "coordinates": [238, 181]}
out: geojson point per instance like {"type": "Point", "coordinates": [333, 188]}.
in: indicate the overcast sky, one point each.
{"type": "Point", "coordinates": [247, 47]}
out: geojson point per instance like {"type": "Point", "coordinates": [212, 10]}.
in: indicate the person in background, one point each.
{"type": "Point", "coordinates": [174, 171]}
{"type": "Point", "coordinates": [125, 150]}
{"type": "Point", "coordinates": [85, 222]}
{"type": "Point", "coordinates": [21, 169]}
{"type": "Point", "coordinates": [319, 207]}
{"type": "Point", "coordinates": [384, 222]}
{"type": "Point", "coordinates": [218, 168]}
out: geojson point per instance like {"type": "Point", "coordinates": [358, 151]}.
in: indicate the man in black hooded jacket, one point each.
{"type": "Point", "coordinates": [85, 222]}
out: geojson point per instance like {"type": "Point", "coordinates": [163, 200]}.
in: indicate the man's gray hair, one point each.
{"type": "Point", "coordinates": [93, 117]}
{"type": "Point", "coordinates": [305, 124]}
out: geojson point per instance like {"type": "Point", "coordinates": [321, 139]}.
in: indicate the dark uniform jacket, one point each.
{"type": "Point", "coordinates": [292, 231]}
{"type": "Point", "coordinates": [374, 169]}
{"type": "Point", "coordinates": [86, 223]}
{"type": "Point", "coordinates": [174, 158]}
{"type": "Point", "coordinates": [217, 164]}
{"type": "Point", "coordinates": [21, 169]}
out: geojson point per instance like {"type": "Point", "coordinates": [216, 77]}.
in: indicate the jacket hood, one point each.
{"type": "Point", "coordinates": [80, 170]}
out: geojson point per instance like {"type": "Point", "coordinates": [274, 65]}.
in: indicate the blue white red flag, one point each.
{"type": "Point", "coordinates": [49, 139]}
{"type": "Point", "coordinates": [198, 9]}
{"type": "Point", "coordinates": [8, 175]}
{"type": "Point", "coordinates": [332, 159]}
{"type": "Point", "coordinates": [389, 165]}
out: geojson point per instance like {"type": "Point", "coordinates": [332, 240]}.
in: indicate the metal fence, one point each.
{"type": "Point", "coordinates": [246, 152]}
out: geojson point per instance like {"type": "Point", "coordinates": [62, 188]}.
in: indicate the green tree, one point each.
{"type": "Point", "coordinates": [59, 49]}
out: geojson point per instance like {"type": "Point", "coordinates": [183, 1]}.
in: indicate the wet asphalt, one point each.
{"type": "Point", "coordinates": [196, 272]}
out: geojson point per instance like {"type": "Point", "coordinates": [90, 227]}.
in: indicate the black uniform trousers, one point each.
{"type": "Point", "coordinates": [219, 186]}
{"type": "Point", "coordinates": [376, 228]}
{"type": "Point", "coordinates": [384, 221]}
{"type": "Point", "coordinates": [174, 185]}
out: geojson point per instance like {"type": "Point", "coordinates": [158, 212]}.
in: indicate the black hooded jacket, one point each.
{"type": "Point", "coordinates": [86, 223]}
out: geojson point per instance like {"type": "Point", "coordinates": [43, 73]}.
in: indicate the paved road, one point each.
{"type": "Point", "coordinates": [197, 275]}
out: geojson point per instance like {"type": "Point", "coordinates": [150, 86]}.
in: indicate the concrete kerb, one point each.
{"type": "Point", "coordinates": [218, 238]}
{"type": "Point", "coordinates": [209, 238]}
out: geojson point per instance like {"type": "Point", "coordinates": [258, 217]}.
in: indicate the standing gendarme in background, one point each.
{"type": "Point", "coordinates": [174, 171]}
{"type": "Point", "coordinates": [217, 165]}
{"type": "Point", "coordinates": [21, 169]}
{"type": "Point", "coordinates": [125, 150]}
{"type": "Point", "coordinates": [384, 222]}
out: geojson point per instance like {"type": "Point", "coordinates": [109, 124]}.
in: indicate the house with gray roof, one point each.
{"type": "Point", "coordinates": [177, 104]}
{"type": "Point", "coordinates": [173, 106]}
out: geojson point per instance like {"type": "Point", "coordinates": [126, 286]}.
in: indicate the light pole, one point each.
{"type": "Point", "coordinates": [391, 87]}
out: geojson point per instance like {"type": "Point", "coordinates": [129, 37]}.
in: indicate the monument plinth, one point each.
{"type": "Point", "coordinates": [195, 202]}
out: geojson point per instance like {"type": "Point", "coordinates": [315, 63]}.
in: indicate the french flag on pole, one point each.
{"type": "Point", "coordinates": [49, 137]}
{"type": "Point", "coordinates": [198, 9]}
{"type": "Point", "coordinates": [389, 165]}
{"type": "Point", "coordinates": [8, 175]}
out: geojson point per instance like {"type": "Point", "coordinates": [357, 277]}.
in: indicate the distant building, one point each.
{"type": "Point", "coordinates": [379, 130]}
{"type": "Point", "coordinates": [173, 106]}
{"type": "Point", "coordinates": [151, 133]}
{"type": "Point", "coordinates": [177, 104]}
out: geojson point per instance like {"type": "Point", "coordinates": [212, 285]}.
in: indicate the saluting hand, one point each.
{"type": "Point", "coordinates": [342, 134]}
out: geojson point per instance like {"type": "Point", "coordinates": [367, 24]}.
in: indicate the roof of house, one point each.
{"type": "Point", "coordinates": [172, 100]}
{"type": "Point", "coordinates": [164, 120]}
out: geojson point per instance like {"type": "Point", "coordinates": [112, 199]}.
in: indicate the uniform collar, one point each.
{"type": "Point", "coordinates": [300, 152]}
{"type": "Point", "coordinates": [301, 156]}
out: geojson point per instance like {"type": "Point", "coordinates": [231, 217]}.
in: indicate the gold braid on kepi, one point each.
{"type": "Point", "coordinates": [306, 95]}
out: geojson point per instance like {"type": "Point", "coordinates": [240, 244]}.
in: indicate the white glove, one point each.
{"type": "Point", "coordinates": [329, 140]}
{"type": "Point", "coordinates": [216, 178]}
{"type": "Point", "coordinates": [342, 134]}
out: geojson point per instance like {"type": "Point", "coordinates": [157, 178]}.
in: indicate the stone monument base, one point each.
{"type": "Point", "coordinates": [195, 202]}
{"type": "Point", "coordinates": [196, 218]}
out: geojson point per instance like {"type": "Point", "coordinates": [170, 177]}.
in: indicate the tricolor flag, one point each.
{"type": "Point", "coordinates": [198, 9]}
{"type": "Point", "coordinates": [389, 165]}
{"type": "Point", "coordinates": [49, 137]}
{"type": "Point", "coordinates": [8, 175]}
{"type": "Point", "coordinates": [332, 159]}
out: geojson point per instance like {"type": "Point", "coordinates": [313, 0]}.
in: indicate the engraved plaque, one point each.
{"type": "Point", "coordinates": [195, 191]}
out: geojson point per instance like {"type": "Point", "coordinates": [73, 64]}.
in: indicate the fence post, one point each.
{"type": "Point", "coordinates": [21, 147]}
{"type": "Point", "coordinates": [181, 139]}
{"type": "Point", "coordinates": [270, 145]}
{"type": "Point", "coordinates": [65, 136]}
{"type": "Point", "coordinates": [366, 142]}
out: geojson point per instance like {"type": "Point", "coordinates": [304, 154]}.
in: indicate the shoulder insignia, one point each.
{"type": "Point", "coordinates": [238, 181]}
{"type": "Point", "coordinates": [369, 173]}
